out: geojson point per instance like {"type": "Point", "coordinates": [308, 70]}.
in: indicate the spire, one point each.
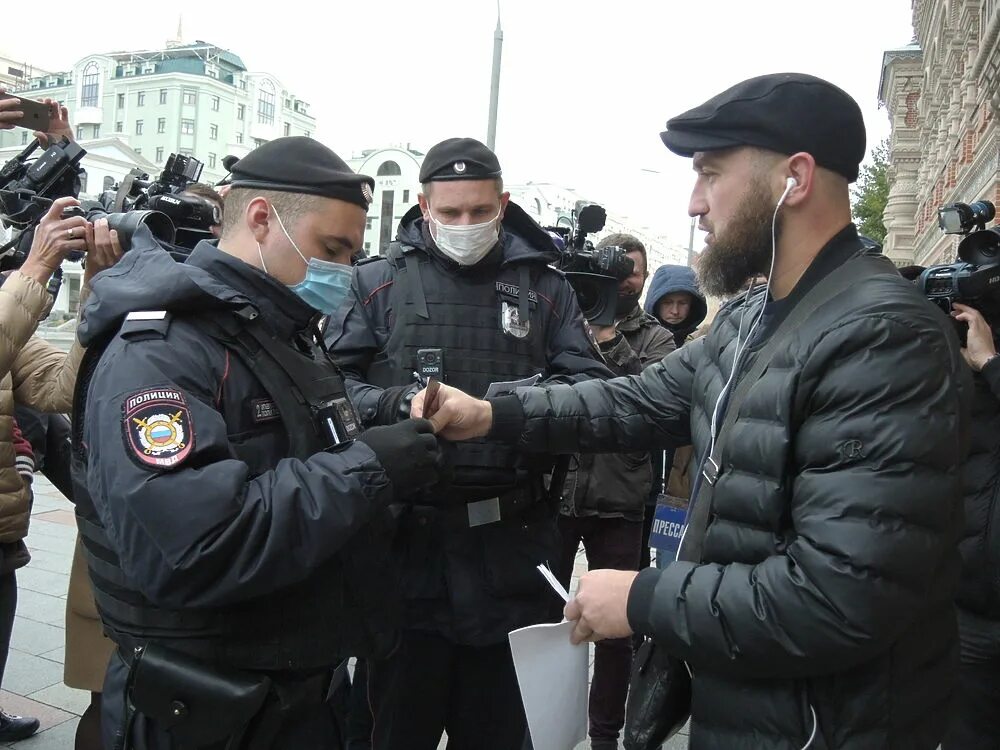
{"type": "Point", "coordinates": [178, 41]}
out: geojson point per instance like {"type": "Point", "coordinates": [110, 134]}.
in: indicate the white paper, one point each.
{"type": "Point", "coordinates": [552, 674]}
{"type": "Point", "coordinates": [549, 576]}
{"type": "Point", "coordinates": [506, 387]}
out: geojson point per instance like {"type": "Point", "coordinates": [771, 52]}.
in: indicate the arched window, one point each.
{"type": "Point", "coordinates": [388, 169]}
{"type": "Point", "coordinates": [88, 94]}
{"type": "Point", "coordinates": [265, 103]}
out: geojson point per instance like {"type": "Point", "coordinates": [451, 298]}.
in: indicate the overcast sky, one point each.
{"type": "Point", "coordinates": [585, 88]}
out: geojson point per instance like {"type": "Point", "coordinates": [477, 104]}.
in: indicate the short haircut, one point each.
{"type": "Point", "coordinates": [206, 192]}
{"type": "Point", "coordinates": [911, 273]}
{"type": "Point", "coordinates": [291, 206]}
{"type": "Point", "coordinates": [425, 188]}
{"type": "Point", "coordinates": [629, 243]}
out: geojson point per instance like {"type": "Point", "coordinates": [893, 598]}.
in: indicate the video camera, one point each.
{"type": "Point", "coordinates": [594, 274]}
{"type": "Point", "coordinates": [172, 217]}
{"type": "Point", "coordinates": [27, 189]}
{"type": "Point", "coordinates": [976, 280]}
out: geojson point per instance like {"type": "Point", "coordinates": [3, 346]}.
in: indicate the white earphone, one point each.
{"type": "Point", "coordinates": [790, 183]}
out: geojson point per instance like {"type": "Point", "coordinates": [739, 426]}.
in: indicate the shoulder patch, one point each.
{"type": "Point", "coordinates": [157, 428]}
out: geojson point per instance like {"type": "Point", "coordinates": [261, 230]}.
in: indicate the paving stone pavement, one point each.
{"type": "Point", "coordinates": [32, 684]}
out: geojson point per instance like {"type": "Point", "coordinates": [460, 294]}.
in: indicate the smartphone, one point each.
{"type": "Point", "coordinates": [36, 114]}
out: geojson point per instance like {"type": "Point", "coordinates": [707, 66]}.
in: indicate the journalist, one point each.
{"type": "Point", "coordinates": [39, 375]}
{"type": "Point", "coordinates": [975, 716]}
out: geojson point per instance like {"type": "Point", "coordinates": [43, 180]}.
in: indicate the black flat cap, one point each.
{"type": "Point", "coordinates": [783, 112]}
{"type": "Point", "coordinates": [298, 164]}
{"type": "Point", "coordinates": [459, 159]}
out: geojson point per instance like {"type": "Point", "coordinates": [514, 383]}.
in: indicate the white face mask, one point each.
{"type": "Point", "coordinates": [465, 244]}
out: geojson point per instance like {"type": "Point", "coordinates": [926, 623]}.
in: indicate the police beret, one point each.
{"type": "Point", "coordinates": [783, 112]}
{"type": "Point", "coordinates": [298, 164]}
{"type": "Point", "coordinates": [459, 159]}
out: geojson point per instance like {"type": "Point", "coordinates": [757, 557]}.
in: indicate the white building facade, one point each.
{"type": "Point", "coordinates": [194, 99]}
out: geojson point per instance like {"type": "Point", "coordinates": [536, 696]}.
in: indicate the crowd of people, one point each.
{"type": "Point", "coordinates": [288, 461]}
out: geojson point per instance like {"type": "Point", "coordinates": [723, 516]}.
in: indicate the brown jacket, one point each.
{"type": "Point", "coordinates": [34, 373]}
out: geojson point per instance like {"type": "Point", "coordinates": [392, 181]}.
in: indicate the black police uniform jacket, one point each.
{"type": "Point", "coordinates": [202, 531]}
{"type": "Point", "coordinates": [509, 317]}
{"type": "Point", "coordinates": [825, 597]}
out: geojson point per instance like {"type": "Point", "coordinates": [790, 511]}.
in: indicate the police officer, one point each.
{"type": "Point", "coordinates": [230, 508]}
{"type": "Point", "coordinates": [465, 293]}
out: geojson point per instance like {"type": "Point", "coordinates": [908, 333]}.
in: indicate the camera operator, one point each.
{"type": "Point", "coordinates": [39, 375]}
{"type": "Point", "coordinates": [207, 194]}
{"type": "Point", "coordinates": [605, 498]}
{"type": "Point", "coordinates": [975, 717]}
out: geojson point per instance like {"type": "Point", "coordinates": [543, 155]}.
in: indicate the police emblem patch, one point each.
{"type": "Point", "coordinates": [156, 425]}
{"type": "Point", "coordinates": [459, 167]}
{"type": "Point", "coordinates": [510, 319]}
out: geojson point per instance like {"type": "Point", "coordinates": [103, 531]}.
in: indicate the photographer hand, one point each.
{"type": "Point", "coordinates": [103, 249]}
{"type": "Point", "coordinates": [59, 125]}
{"type": "Point", "coordinates": [55, 237]}
{"type": "Point", "coordinates": [980, 347]}
{"type": "Point", "coordinates": [10, 115]}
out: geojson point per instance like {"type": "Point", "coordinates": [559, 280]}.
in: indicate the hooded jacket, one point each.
{"type": "Point", "coordinates": [668, 280]}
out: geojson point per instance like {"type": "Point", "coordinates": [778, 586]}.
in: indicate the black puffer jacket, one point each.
{"type": "Point", "coordinates": [830, 562]}
{"type": "Point", "coordinates": [979, 589]}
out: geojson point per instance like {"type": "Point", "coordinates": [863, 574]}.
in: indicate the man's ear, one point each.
{"type": "Point", "coordinates": [504, 200]}
{"type": "Point", "coordinates": [258, 218]}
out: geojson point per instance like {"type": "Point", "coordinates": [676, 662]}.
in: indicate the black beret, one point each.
{"type": "Point", "coordinates": [298, 164]}
{"type": "Point", "coordinates": [459, 159]}
{"type": "Point", "coordinates": [783, 112]}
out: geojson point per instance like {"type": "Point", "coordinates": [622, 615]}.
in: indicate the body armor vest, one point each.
{"type": "Point", "coordinates": [491, 327]}
{"type": "Point", "coordinates": [346, 607]}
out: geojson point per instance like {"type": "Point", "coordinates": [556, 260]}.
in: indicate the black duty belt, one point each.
{"type": "Point", "coordinates": [508, 506]}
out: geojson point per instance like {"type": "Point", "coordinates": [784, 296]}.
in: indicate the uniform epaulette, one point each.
{"type": "Point", "coordinates": [140, 325]}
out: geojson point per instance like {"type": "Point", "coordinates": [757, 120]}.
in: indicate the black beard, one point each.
{"type": "Point", "coordinates": [743, 251]}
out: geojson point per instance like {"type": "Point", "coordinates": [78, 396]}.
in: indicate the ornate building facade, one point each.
{"type": "Point", "coordinates": [941, 94]}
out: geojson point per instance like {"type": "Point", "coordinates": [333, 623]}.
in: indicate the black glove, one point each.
{"type": "Point", "coordinates": [394, 403]}
{"type": "Point", "coordinates": [409, 453]}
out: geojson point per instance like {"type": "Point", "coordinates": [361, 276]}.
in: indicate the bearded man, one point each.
{"type": "Point", "coordinates": [829, 415]}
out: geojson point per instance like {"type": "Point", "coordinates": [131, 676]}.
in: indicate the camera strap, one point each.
{"type": "Point", "coordinates": [852, 272]}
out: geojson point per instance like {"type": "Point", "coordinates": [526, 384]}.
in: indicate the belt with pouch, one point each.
{"type": "Point", "coordinates": [200, 704]}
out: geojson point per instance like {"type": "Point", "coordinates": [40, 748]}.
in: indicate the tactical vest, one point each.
{"type": "Point", "coordinates": [491, 327]}
{"type": "Point", "coordinates": [348, 606]}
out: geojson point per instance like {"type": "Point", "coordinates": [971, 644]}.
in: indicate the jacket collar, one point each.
{"type": "Point", "coordinates": [282, 310]}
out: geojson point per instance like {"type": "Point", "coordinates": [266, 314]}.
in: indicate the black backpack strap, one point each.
{"type": "Point", "coordinates": [407, 282]}
{"type": "Point", "coordinates": [524, 282]}
{"type": "Point", "coordinates": [854, 271]}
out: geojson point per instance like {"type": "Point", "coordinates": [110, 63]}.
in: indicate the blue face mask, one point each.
{"type": "Point", "coordinates": [325, 286]}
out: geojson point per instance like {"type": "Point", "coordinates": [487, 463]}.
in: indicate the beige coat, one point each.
{"type": "Point", "coordinates": [36, 374]}
{"type": "Point", "coordinates": [39, 375]}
